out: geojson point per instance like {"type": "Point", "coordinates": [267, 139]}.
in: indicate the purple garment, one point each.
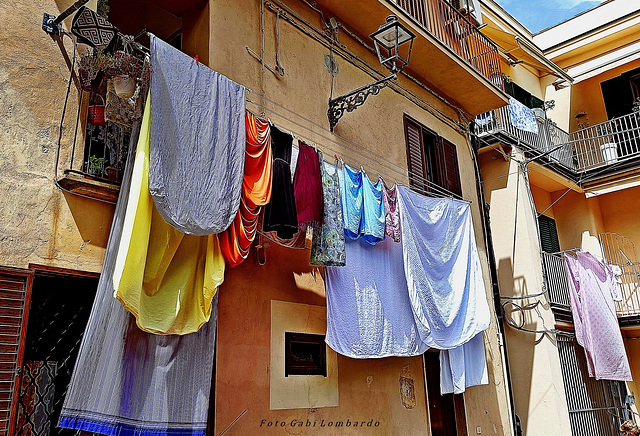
{"type": "Point", "coordinates": [392, 219]}
{"type": "Point", "coordinates": [592, 287]}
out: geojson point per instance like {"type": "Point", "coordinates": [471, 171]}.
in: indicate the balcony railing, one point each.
{"type": "Point", "coordinates": [610, 142]}
{"type": "Point", "coordinates": [556, 280]}
{"type": "Point", "coordinates": [557, 285]}
{"type": "Point", "coordinates": [607, 143]}
{"type": "Point", "coordinates": [549, 136]}
{"type": "Point", "coordinates": [453, 29]}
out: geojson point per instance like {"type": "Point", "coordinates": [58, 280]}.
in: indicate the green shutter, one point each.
{"type": "Point", "coordinates": [548, 234]}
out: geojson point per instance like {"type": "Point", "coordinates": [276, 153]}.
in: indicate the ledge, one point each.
{"type": "Point", "coordinates": [85, 185]}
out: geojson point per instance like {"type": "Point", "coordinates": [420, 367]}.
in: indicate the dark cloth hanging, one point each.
{"type": "Point", "coordinates": [307, 187]}
{"type": "Point", "coordinates": [92, 29]}
{"type": "Point", "coordinates": [280, 213]}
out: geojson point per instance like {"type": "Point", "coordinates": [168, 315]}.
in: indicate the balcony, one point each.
{"type": "Point", "coordinates": [618, 250]}
{"type": "Point", "coordinates": [607, 143]}
{"type": "Point", "coordinates": [549, 136]}
{"type": "Point", "coordinates": [595, 147]}
{"type": "Point", "coordinates": [452, 28]}
{"type": "Point", "coordinates": [449, 54]}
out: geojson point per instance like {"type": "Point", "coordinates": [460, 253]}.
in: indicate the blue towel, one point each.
{"type": "Point", "coordinates": [368, 309]}
{"type": "Point", "coordinates": [197, 148]}
{"type": "Point", "coordinates": [362, 206]}
{"type": "Point", "coordinates": [522, 117]}
{"type": "Point", "coordinates": [442, 269]}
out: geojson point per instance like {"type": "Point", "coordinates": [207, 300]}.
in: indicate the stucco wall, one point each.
{"type": "Point", "coordinates": [533, 358]}
{"type": "Point", "coordinates": [371, 136]}
{"type": "Point", "coordinates": [619, 213]}
{"type": "Point", "coordinates": [586, 96]}
{"type": "Point", "coordinates": [40, 224]}
{"type": "Point", "coordinates": [368, 389]}
{"type": "Point", "coordinates": [574, 215]}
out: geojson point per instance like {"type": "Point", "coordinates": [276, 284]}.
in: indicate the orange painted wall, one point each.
{"type": "Point", "coordinates": [586, 96]}
{"type": "Point", "coordinates": [620, 213]}
{"type": "Point", "coordinates": [368, 389]}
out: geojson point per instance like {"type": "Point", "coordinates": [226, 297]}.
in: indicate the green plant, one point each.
{"type": "Point", "coordinates": [96, 166]}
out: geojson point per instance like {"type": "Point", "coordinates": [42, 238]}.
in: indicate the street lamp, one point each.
{"type": "Point", "coordinates": [388, 40]}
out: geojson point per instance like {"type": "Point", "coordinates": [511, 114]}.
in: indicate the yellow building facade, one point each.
{"type": "Point", "coordinates": [57, 213]}
{"type": "Point", "coordinates": [570, 186]}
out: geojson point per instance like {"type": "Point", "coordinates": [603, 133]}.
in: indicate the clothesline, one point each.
{"type": "Point", "coordinates": [433, 191]}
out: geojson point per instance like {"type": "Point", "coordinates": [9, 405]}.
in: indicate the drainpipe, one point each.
{"type": "Point", "coordinates": [488, 241]}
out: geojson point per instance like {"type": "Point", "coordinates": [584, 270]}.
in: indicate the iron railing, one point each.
{"type": "Point", "coordinates": [453, 29]}
{"type": "Point", "coordinates": [619, 250]}
{"type": "Point", "coordinates": [549, 136]}
{"type": "Point", "coordinates": [612, 141]}
{"type": "Point", "coordinates": [607, 143]}
{"type": "Point", "coordinates": [596, 407]}
{"type": "Point", "coordinates": [556, 280]}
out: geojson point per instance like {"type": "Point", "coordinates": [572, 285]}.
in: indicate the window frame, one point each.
{"type": "Point", "coordinates": [290, 368]}
{"type": "Point", "coordinates": [438, 164]}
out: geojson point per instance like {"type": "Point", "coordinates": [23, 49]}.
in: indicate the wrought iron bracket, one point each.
{"type": "Point", "coordinates": [356, 98]}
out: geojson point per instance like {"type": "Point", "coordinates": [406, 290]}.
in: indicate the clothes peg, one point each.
{"type": "Point", "coordinates": [197, 60]}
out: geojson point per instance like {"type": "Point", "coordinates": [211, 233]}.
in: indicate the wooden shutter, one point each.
{"type": "Point", "coordinates": [448, 175]}
{"type": "Point", "coordinates": [548, 234]}
{"type": "Point", "coordinates": [15, 293]}
{"type": "Point", "coordinates": [415, 156]}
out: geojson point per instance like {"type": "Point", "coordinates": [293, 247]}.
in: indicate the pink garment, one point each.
{"type": "Point", "coordinates": [392, 225]}
{"type": "Point", "coordinates": [592, 287]}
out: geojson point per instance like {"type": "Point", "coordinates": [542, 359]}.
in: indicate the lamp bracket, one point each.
{"type": "Point", "coordinates": [354, 99]}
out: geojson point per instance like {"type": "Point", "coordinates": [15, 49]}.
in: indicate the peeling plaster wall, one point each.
{"type": "Point", "coordinates": [39, 224]}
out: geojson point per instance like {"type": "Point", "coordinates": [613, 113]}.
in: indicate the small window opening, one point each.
{"type": "Point", "coordinates": [305, 354]}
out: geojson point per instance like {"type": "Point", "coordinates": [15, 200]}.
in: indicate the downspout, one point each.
{"type": "Point", "coordinates": [488, 241]}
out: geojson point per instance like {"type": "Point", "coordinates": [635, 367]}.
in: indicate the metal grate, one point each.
{"type": "Point", "coordinates": [59, 312]}
{"type": "Point", "coordinates": [596, 407]}
{"type": "Point", "coordinates": [556, 280]}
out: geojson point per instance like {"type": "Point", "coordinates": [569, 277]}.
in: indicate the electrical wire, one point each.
{"type": "Point", "coordinates": [381, 161]}
{"type": "Point", "coordinates": [321, 37]}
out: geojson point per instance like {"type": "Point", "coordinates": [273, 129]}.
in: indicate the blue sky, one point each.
{"type": "Point", "coordinates": [536, 15]}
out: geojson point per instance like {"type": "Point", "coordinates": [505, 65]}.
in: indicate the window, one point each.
{"type": "Point", "coordinates": [522, 95]}
{"type": "Point", "coordinates": [431, 160]}
{"type": "Point", "coordinates": [619, 93]}
{"type": "Point", "coordinates": [305, 354]}
{"type": "Point", "coordinates": [548, 234]}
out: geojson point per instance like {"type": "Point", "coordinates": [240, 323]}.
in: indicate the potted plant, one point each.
{"type": "Point", "coordinates": [96, 166]}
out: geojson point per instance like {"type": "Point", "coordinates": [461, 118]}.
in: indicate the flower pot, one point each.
{"type": "Point", "coordinates": [112, 173]}
{"type": "Point", "coordinates": [609, 152]}
{"type": "Point", "coordinates": [125, 86]}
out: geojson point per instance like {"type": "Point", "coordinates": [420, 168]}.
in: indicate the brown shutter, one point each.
{"type": "Point", "coordinates": [415, 156]}
{"type": "Point", "coordinates": [15, 293]}
{"type": "Point", "coordinates": [448, 174]}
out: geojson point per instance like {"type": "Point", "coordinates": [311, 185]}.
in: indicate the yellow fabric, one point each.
{"type": "Point", "coordinates": [164, 277]}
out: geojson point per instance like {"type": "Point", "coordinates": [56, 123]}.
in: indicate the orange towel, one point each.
{"type": "Point", "coordinates": [256, 192]}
